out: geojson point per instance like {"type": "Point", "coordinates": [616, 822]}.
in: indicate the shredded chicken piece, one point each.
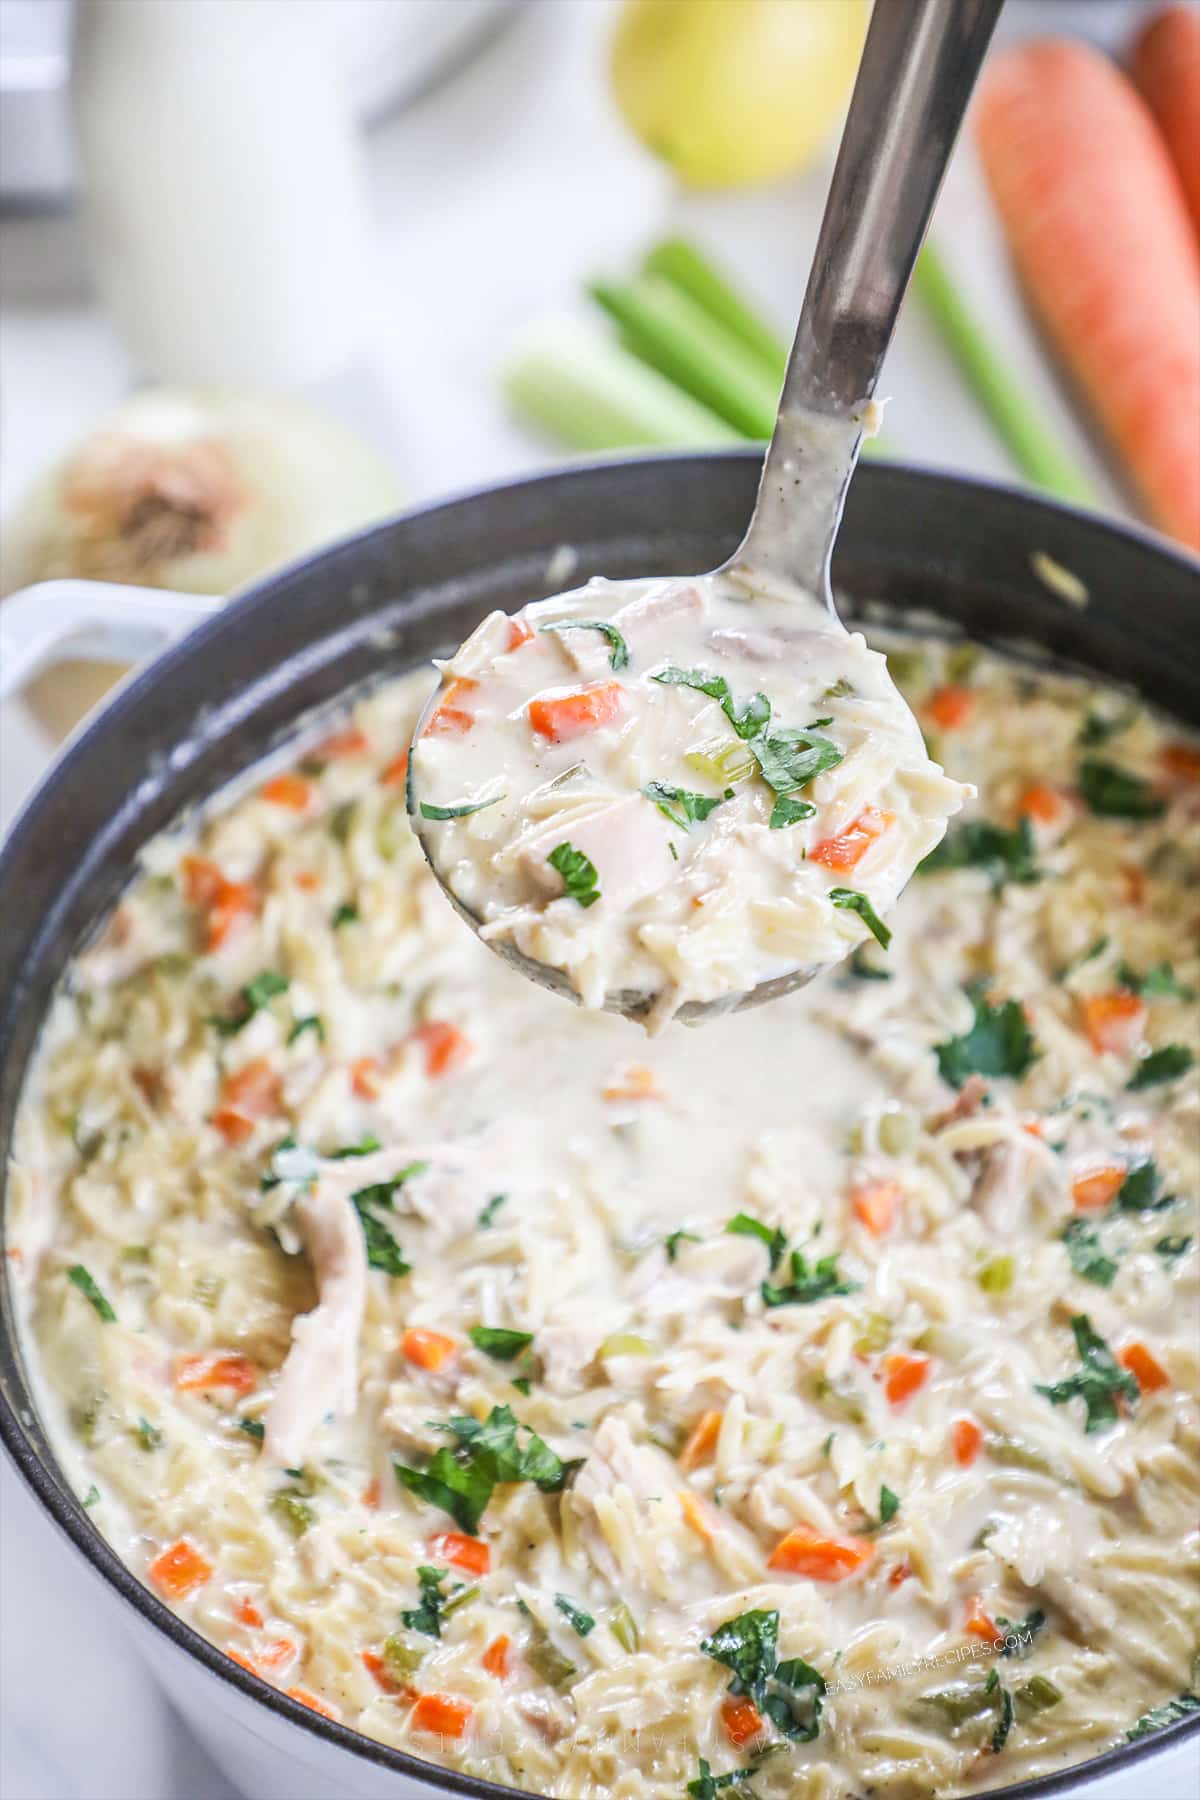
{"type": "Point", "coordinates": [321, 1372]}
{"type": "Point", "coordinates": [625, 839]}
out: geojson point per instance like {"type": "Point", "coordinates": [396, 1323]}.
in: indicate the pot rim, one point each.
{"type": "Point", "coordinates": [68, 1516]}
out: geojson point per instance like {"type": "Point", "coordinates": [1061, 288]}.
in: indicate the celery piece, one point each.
{"type": "Point", "coordinates": [548, 1661]}
{"type": "Point", "coordinates": [624, 1343]}
{"type": "Point", "coordinates": [581, 388]}
{"type": "Point", "coordinates": [996, 1276]}
{"type": "Point", "coordinates": [668, 330]}
{"type": "Point", "coordinates": [875, 1335]}
{"type": "Point", "coordinates": [688, 269]}
{"type": "Point", "coordinates": [623, 1626]}
{"type": "Point", "coordinates": [1036, 1695]}
{"type": "Point", "coordinates": [1029, 440]}
{"type": "Point", "coordinates": [401, 1656]}
{"type": "Point", "coordinates": [722, 761]}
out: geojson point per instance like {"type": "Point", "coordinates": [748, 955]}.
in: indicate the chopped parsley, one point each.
{"type": "Point", "coordinates": [501, 1345]}
{"type": "Point", "coordinates": [1004, 1722]}
{"type": "Point", "coordinates": [581, 1621]}
{"type": "Point", "coordinates": [998, 1043]}
{"type": "Point", "coordinates": [618, 648]}
{"type": "Point", "coordinates": [148, 1436]}
{"type": "Point", "coordinates": [1006, 855]}
{"type": "Point", "coordinates": [1156, 984]}
{"type": "Point", "coordinates": [462, 811]}
{"type": "Point", "coordinates": [290, 1161]}
{"type": "Point", "coordinates": [788, 810]}
{"type": "Point", "coordinates": [673, 1240]}
{"type": "Point", "coordinates": [789, 1693]}
{"type": "Point", "coordinates": [92, 1497]}
{"type": "Point", "coordinates": [707, 1786]}
{"type": "Point", "coordinates": [310, 1022]}
{"type": "Point", "coordinates": [251, 999]}
{"type": "Point", "coordinates": [290, 1505]}
{"type": "Point", "coordinates": [1099, 1382]}
{"type": "Point", "coordinates": [862, 970]}
{"type": "Point", "coordinates": [1172, 1248]}
{"type": "Point", "coordinates": [754, 717]}
{"type": "Point", "coordinates": [1082, 1242]}
{"type": "Point", "coordinates": [745, 1225]}
{"type": "Point", "coordinates": [1141, 1190]}
{"type": "Point", "coordinates": [850, 900]}
{"type": "Point", "coordinates": [346, 914]}
{"type": "Point", "coordinates": [682, 807]}
{"type": "Point", "coordinates": [1096, 729]}
{"type": "Point", "coordinates": [383, 1252]}
{"type": "Point", "coordinates": [579, 876]}
{"type": "Point", "coordinates": [253, 1428]}
{"type": "Point", "coordinates": [1116, 793]}
{"type": "Point", "coordinates": [1022, 1631]}
{"type": "Point", "coordinates": [889, 1505]}
{"type": "Point", "coordinates": [487, 1217]}
{"type": "Point", "coordinates": [1159, 1717]}
{"type": "Point", "coordinates": [808, 1284]}
{"type": "Point", "coordinates": [78, 1276]}
{"type": "Point", "coordinates": [364, 1147]}
{"type": "Point", "coordinates": [435, 1606]}
{"type": "Point", "coordinates": [461, 1480]}
{"type": "Point", "coordinates": [1167, 1064]}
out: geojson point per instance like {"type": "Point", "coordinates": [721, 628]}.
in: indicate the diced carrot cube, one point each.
{"type": "Point", "coordinates": [451, 715]}
{"type": "Point", "coordinates": [1042, 802]}
{"type": "Point", "coordinates": [311, 1701]}
{"type": "Point", "coordinates": [967, 1439]}
{"type": "Point", "coordinates": [1181, 760]}
{"type": "Point", "coordinates": [636, 1083]}
{"type": "Point", "coordinates": [741, 1719]}
{"type": "Point", "coordinates": [243, 1662]}
{"type": "Point", "coordinates": [702, 1440]}
{"type": "Point", "coordinates": [818, 1556]}
{"type": "Point", "coordinates": [288, 790]}
{"type": "Point", "coordinates": [442, 1715]}
{"type": "Point", "coordinates": [495, 1658]}
{"type": "Point", "coordinates": [277, 1654]}
{"type": "Point", "coordinates": [376, 1667]}
{"type": "Point", "coordinates": [1133, 880]}
{"type": "Point", "coordinates": [899, 1573]}
{"type": "Point", "coordinates": [697, 1516]}
{"type": "Point", "coordinates": [366, 1077]}
{"type": "Point", "coordinates": [1145, 1368]}
{"type": "Point", "coordinates": [178, 1571]}
{"type": "Point", "coordinates": [1113, 1022]}
{"type": "Point", "coordinates": [446, 1047]}
{"type": "Point", "coordinates": [307, 880]}
{"type": "Point", "coordinates": [950, 707]}
{"type": "Point", "coordinates": [350, 742]}
{"type": "Point", "coordinates": [1096, 1189]}
{"type": "Point", "coordinates": [877, 1205]}
{"type": "Point", "coordinates": [903, 1376]}
{"type": "Point", "coordinates": [427, 1349]}
{"type": "Point", "coordinates": [464, 1552]}
{"type": "Point", "coordinates": [396, 773]}
{"type": "Point", "coordinates": [979, 1623]}
{"type": "Point", "coordinates": [202, 880]}
{"type": "Point", "coordinates": [252, 1092]}
{"type": "Point", "coordinates": [248, 1614]}
{"type": "Point", "coordinates": [560, 717]}
{"type": "Point", "coordinates": [518, 633]}
{"type": "Point", "coordinates": [372, 1494]}
{"type": "Point", "coordinates": [209, 1370]}
{"type": "Point", "coordinates": [847, 849]}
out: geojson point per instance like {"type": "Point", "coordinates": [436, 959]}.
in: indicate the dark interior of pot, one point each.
{"type": "Point", "coordinates": [914, 545]}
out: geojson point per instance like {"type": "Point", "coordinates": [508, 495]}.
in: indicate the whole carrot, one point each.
{"type": "Point", "coordinates": [1097, 226]}
{"type": "Point", "coordinates": [1166, 68]}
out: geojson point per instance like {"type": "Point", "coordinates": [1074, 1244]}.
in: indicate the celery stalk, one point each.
{"type": "Point", "coordinates": [666, 328]}
{"type": "Point", "coordinates": [1031, 442]}
{"type": "Point", "coordinates": [586, 391]}
{"type": "Point", "coordinates": [689, 270]}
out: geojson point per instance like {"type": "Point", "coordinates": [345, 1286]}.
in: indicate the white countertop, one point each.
{"type": "Point", "coordinates": [494, 199]}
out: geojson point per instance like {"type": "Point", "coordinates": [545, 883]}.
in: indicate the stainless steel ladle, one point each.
{"type": "Point", "coordinates": [918, 69]}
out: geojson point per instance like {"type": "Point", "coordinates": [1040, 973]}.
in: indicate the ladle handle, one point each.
{"type": "Point", "coordinates": [917, 72]}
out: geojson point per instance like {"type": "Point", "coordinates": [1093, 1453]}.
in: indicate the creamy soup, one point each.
{"type": "Point", "coordinates": [801, 1406]}
{"type": "Point", "coordinates": [675, 790]}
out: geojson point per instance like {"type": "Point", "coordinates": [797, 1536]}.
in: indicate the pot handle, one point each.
{"type": "Point", "coordinates": [95, 619]}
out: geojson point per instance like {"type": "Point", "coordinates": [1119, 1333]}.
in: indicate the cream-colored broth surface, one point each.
{"type": "Point", "coordinates": [816, 1439]}
{"type": "Point", "coordinates": [675, 789]}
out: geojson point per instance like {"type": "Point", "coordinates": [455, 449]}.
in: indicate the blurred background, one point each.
{"type": "Point", "coordinates": [272, 268]}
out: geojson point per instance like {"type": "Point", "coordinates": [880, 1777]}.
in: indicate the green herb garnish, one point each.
{"type": "Point", "coordinates": [998, 1043]}
{"type": "Point", "coordinates": [78, 1276]}
{"type": "Point", "coordinates": [1099, 1383]}
{"type": "Point", "coordinates": [889, 1505]}
{"type": "Point", "coordinates": [1141, 1190]}
{"type": "Point", "coordinates": [435, 1606]}
{"type": "Point", "coordinates": [579, 876]}
{"type": "Point", "coordinates": [487, 1217]}
{"type": "Point", "coordinates": [789, 1693]}
{"type": "Point", "coordinates": [1156, 984]}
{"type": "Point", "coordinates": [682, 807]}
{"type": "Point", "coordinates": [501, 1345]}
{"type": "Point", "coordinates": [707, 1786]}
{"type": "Point", "coordinates": [461, 1480]}
{"type": "Point", "coordinates": [745, 1225]}
{"type": "Point", "coordinates": [148, 1436]}
{"type": "Point", "coordinates": [862, 970]}
{"type": "Point", "coordinates": [850, 900]}
{"type": "Point", "coordinates": [311, 1022]}
{"type": "Point", "coordinates": [1115, 793]}
{"type": "Point", "coordinates": [808, 1284]}
{"type": "Point", "coordinates": [383, 1252]}
{"type": "Point", "coordinates": [1007, 855]}
{"type": "Point", "coordinates": [1096, 729]}
{"type": "Point", "coordinates": [788, 810]}
{"type": "Point", "coordinates": [92, 1497]}
{"type": "Point", "coordinates": [364, 1147]}
{"type": "Point", "coordinates": [461, 811]}
{"type": "Point", "coordinates": [580, 1621]}
{"type": "Point", "coordinates": [1171, 1248]}
{"type": "Point", "coordinates": [1023, 1631]}
{"type": "Point", "coordinates": [1162, 1065]}
{"type": "Point", "coordinates": [1161, 1716]}
{"type": "Point", "coordinates": [755, 715]}
{"type": "Point", "coordinates": [253, 1428]}
{"type": "Point", "coordinates": [251, 999]}
{"type": "Point", "coordinates": [618, 648]}
{"type": "Point", "coordinates": [673, 1240]}
{"type": "Point", "coordinates": [1088, 1259]}
{"type": "Point", "coordinates": [346, 914]}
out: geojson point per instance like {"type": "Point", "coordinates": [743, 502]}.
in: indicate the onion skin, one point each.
{"type": "Point", "coordinates": [193, 489]}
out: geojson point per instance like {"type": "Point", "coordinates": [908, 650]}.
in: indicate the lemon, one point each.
{"type": "Point", "coordinates": [731, 92]}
